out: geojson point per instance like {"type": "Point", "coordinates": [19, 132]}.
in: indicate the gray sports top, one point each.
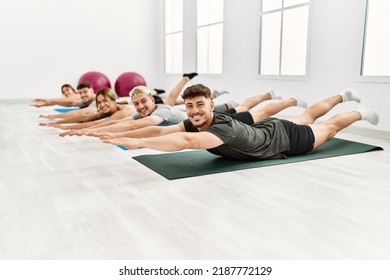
{"type": "Point", "coordinates": [261, 140]}
{"type": "Point", "coordinates": [168, 113]}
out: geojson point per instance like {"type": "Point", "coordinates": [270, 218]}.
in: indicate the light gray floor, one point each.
{"type": "Point", "coordinates": [76, 198]}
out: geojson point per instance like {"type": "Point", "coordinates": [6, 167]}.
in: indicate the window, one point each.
{"type": "Point", "coordinates": [376, 43]}
{"type": "Point", "coordinates": [173, 36]}
{"type": "Point", "coordinates": [284, 37]}
{"type": "Point", "coordinates": [209, 36]}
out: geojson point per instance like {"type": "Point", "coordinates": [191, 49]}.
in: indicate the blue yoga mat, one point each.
{"type": "Point", "coordinates": [65, 110]}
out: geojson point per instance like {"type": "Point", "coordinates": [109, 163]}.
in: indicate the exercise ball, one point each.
{"type": "Point", "coordinates": [96, 79]}
{"type": "Point", "coordinates": [126, 82]}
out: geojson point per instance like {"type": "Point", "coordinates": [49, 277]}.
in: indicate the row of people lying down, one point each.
{"type": "Point", "coordinates": [243, 135]}
{"type": "Point", "coordinates": [142, 112]}
{"type": "Point", "coordinates": [149, 113]}
{"type": "Point", "coordinates": [85, 99]}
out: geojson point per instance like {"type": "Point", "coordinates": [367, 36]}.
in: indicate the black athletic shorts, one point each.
{"type": "Point", "coordinates": [230, 111]}
{"type": "Point", "coordinates": [301, 138]}
{"type": "Point", "coordinates": [244, 117]}
{"type": "Point", "coordinates": [158, 99]}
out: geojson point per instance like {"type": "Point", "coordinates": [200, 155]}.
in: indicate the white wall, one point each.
{"type": "Point", "coordinates": [46, 43]}
{"type": "Point", "coordinates": [336, 40]}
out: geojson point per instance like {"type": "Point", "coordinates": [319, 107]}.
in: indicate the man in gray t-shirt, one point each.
{"type": "Point", "coordinates": [263, 139]}
{"type": "Point", "coordinates": [167, 113]}
{"type": "Point", "coordinates": [225, 136]}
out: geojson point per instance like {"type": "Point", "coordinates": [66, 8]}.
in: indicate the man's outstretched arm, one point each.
{"type": "Point", "coordinates": [171, 142]}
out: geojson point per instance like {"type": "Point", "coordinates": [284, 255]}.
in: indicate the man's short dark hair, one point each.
{"type": "Point", "coordinates": [195, 91]}
{"type": "Point", "coordinates": [67, 85]}
{"type": "Point", "coordinates": [83, 85]}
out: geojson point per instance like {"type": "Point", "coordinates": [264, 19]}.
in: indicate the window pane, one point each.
{"type": "Point", "coordinates": [270, 44]}
{"type": "Point", "coordinates": [174, 36]}
{"type": "Point", "coordinates": [215, 11]}
{"type": "Point", "coordinates": [209, 12]}
{"type": "Point", "coordinates": [173, 16]}
{"type": "Point", "coordinates": [215, 48]}
{"type": "Point", "coordinates": [168, 53]}
{"type": "Point", "coordinates": [177, 15]}
{"type": "Point", "coordinates": [377, 39]}
{"type": "Point", "coordinates": [269, 5]}
{"type": "Point", "coordinates": [202, 12]}
{"type": "Point", "coordinates": [202, 49]}
{"type": "Point", "coordinates": [294, 42]}
{"type": "Point", "coordinates": [174, 53]}
{"type": "Point", "coordinates": [210, 36]}
{"type": "Point", "coordinates": [177, 53]}
{"type": "Point", "coordinates": [168, 16]}
{"type": "Point", "coordinates": [288, 3]}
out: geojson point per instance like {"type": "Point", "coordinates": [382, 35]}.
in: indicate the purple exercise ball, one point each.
{"type": "Point", "coordinates": [126, 82]}
{"type": "Point", "coordinates": [96, 79]}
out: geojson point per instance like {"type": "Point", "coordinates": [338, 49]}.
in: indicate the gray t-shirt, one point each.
{"type": "Point", "coordinates": [261, 140]}
{"type": "Point", "coordinates": [168, 113]}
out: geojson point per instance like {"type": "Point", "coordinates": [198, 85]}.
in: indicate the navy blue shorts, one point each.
{"type": "Point", "coordinates": [301, 138]}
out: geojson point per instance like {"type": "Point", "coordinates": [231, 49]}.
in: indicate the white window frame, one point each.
{"type": "Point", "coordinates": [281, 76]}
{"type": "Point", "coordinates": [362, 77]}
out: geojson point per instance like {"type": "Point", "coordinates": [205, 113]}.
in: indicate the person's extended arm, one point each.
{"type": "Point", "coordinates": [66, 102]}
{"type": "Point", "coordinates": [150, 131]}
{"type": "Point", "coordinates": [76, 126]}
{"type": "Point", "coordinates": [84, 118]}
{"type": "Point", "coordinates": [110, 121]}
{"type": "Point", "coordinates": [89, 121]}
{"type": "Point", "coordinates": [122, 126]}
{"type": "Point", "coordinates": [130, 124]}
{"type": "Point", "coordinates": [171, 142]}
{"type": "Point", "coordinates": [125, 113]}
{"type": "Point", "coordinates": [71, 114]}
{"type": "Point", "coordinates": [146, 132]}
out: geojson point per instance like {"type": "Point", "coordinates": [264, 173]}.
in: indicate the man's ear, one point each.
{"type": "Point", "coordinates": [152, 100]}
{"type": "Point", "coordinates": [212, 105]}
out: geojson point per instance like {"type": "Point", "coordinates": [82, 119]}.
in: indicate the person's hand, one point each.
{"type": "Point", "coordinates": [129, 143]}
{"type": "Point", "coordinates": [58, 125]}
{"type": "Point", "coordinates": [73, 132]}
{"type": "Point", "coordinates": [66, 133]}
{"type": "Point", "coordinates": [101, 135]}
{"type": "Point", "coordinates": [49, 117]}
{"type": "Point", "coordinates": [39, 102]}
{"type": "Point", "coordinates": [51, 124]}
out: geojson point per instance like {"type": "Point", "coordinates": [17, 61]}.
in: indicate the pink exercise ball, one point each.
{"type": "Point", "coordinates": [126, 82]}
{"type": "Point", "coordinates": [96, 79]}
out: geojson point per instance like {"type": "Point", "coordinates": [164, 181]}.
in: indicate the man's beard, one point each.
{"type": "Point", "coordinates": [199, 124]}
